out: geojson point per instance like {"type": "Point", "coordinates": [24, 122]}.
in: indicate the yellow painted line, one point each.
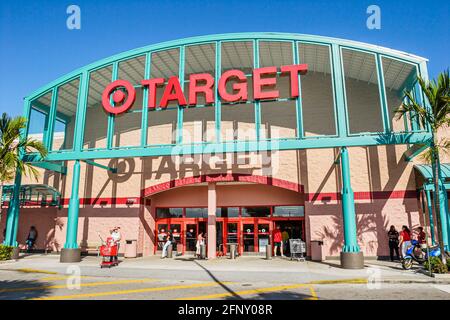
{"type": "Point", "coordinates": [313, 294]}
{"type": "Point", "coordinates": [247, 292]}
{"type": "Point", "coordinates": [60, 278]}
{"type": "Point", "coordinates": [35, 271]}
{"type": "Point", "coordinates": [355, 280]}
{"type": "Point", "coordinates": [86, 284]}
{"type": "Point", "coordinates": [121, 292]}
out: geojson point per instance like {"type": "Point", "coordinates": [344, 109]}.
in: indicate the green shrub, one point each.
{"type": "Point", "coordinates": [5, 252]}
{"type": "Point", "coordinates": [436, 265]}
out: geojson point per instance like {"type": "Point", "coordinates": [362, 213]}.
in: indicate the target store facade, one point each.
{"type": "Point", "coordinates": [231, 135]}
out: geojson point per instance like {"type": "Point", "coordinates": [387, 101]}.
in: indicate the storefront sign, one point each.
{"type": "Point", "coordinates": [264, 87]}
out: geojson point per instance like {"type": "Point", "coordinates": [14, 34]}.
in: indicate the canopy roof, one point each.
{"type": "Point", "coordinates": [34, 194]}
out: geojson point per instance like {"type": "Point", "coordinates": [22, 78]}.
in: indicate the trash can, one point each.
{"type": "Point", "coordinates": [317, 248]}
{"type": "Point", "coordinates": [233, 251]}
{"type": "Point", "coordinates": [268, 251]}
{"type": "Point", "coordinates": [130, 248]}
{"type": "Point", "coordinates": [202, 251]}
{"type": "Point", "coordinates": [169, 251]}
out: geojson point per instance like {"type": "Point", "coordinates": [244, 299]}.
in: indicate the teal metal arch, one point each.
{"type": "Point", "coordinates": [342, 138]}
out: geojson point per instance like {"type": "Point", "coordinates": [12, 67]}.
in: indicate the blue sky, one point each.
{"type": "Point", "coordinates": [36, 46]}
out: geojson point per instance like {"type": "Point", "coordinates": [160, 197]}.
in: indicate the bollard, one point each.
{"type": "Point", "coordinates": [268, 251]}
{"type": "Point", "coordinates": [232, 251]}
{"type": "Point", "coordinates": [202, 251]}
{"type": "Point", "coordinates": [169, 251]}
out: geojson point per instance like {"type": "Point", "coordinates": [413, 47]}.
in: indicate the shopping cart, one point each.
{"type": "Point", "coordinates": [109, 252]}
{"type": "Point", "coordinates": [298, 249]}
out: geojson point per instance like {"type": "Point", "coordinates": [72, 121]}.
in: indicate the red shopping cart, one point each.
{"type": "Point", "coordinates": [109, 253]}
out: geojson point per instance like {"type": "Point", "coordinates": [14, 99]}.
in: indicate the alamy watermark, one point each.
{"type": "Point", "coordinates": [373, 22]}
{"type": "Point", "coordinates": [73, 21]}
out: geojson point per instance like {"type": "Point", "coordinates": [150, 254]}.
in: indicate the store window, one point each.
{"type": "Point", "coordinates": [66, 109]}
{"type": "Point", "coordinates": [288, 211]}
{"type": "Point", "coordinates": [255, 212]}
{"type": "Point", "coordinates": [127, 125]}
{"type": "Point", "coordinates": [162, 123]}
{"type": "Point", "coordinates": [39, 116]}
{"type": "Point", "coordinates": [196, 212]}
{"type": "Point", "coordinates": [199, 119]}
{"type": "Point", "coordinates": [238, 118]}
{"type": "Point", "coordinates": [169, 212]}
{"type": "Point", "coordinates": [399, 77]}
{"type": "Point", "coordinates": [362, 92]}
{"type": "Point", "coordinates": [96, 119]}
{"type": "Point", "coordinates": [317, 98]}
{"type": "Point", "coordinates": [230, 212]}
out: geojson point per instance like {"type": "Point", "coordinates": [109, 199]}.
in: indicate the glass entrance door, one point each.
{"type": "Point", "coordinates": [191, 236]}
{"type": "Point", "coordinates": [248, 236]}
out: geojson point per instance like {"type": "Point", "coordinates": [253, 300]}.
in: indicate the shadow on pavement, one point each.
{"type": "Point", "coordinates": [234, 295]}
{"type": "Point", "coordinates": [281, 295]}
{"type": "Point", "coordinates": [23, 289]}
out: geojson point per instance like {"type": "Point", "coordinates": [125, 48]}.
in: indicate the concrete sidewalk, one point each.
{"type": "Point", "coordinates": [255, 266]}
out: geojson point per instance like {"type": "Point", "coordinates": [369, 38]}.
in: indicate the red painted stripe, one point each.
{"type": "Point", "coordinates": [364, 195]}
{"type": "Point", "coordinates": [106, 201]}
{"type": "Point", "coordinates": [323, 196]}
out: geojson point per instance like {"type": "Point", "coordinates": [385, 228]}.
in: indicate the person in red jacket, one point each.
{"type": "Point", "coordinates": [277, 241]}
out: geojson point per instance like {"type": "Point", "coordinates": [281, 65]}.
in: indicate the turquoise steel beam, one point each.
{"type": "Point", "coordinates": [12, 216]}
{"type": "Point", "coordinates": [298, 100]}
{"type": "Point", "coordinates": [443, 203]}
{"type": "Point", "coordinates": [382, 95]}
{"type": "Point", "coordinates": [339, 91]}
{"type": "Point", "coordinates": [257, 104]}
{"type": "Point", "coordinates": [72, 214]}
{"type": "Point", "coordinates": [240, 146]}
{"type": "Point", "coordinates": [144, 124]}
{"type": "Point", "coordinates": [217, 101]}
{"type": "Point", "coordinates": [95, 164]}
{"type": "Point", "coordinates": [430, 215]}
{"type": "Point", "coordinates": [48, 142]}
{"type": "Point", "coordinates": [179, 129]}
{"type": "Point", "coordinates": [81, 113]}
{"type": "Point", "coordinates": [51, 166]}
{"type": "Point", "coordinates": [348, 206]}
{"type": "Point", "coordinates": [111, 117]}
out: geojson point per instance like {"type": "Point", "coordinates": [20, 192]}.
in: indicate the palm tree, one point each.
{"type": "Point", "coordinates": [11, 144]}
{"type": "Point", "coordinates": [436, 117]}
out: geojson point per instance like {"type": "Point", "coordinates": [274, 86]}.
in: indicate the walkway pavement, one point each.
{"type": "Point", "coordinates": [193, 269]}
{"type": "Point", "coordinates": [44, 277]}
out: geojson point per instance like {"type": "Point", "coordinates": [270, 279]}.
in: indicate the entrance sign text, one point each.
{"type": "Point", "coordinates": [264, 87]}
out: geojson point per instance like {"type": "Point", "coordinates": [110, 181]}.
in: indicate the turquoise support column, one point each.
{"type": "Point", "coordinates": [443, 201]}
{"type": "Point", "coordinates": [351, 255]}
{"type": "Point", "coordinates": [348, 206]}
{"type": "Point", "coordinates": [430, 215]}
{"type": "Point", "coordinates": [12, 217]}
{"type": "Point", "coordinates": [71, 252]}
{"type": "Point", "coordinates": [443, 214]}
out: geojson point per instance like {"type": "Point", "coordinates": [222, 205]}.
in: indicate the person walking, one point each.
{"type": "Point", "coordinates": [277, 241]}
{"type": "Point", "coordinates": [31, 239]}
{"type": "Point", "coordinates": [405, 240]}
{"type": "Point", "coordinates": [200, 242]}
{"type": "Point", "coordinates": [169, 240]}
{"type": "Point", "coordinates": [393, 242]}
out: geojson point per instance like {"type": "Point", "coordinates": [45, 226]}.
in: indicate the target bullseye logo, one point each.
{"type": "Point", "coordinates": [125, 101]}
